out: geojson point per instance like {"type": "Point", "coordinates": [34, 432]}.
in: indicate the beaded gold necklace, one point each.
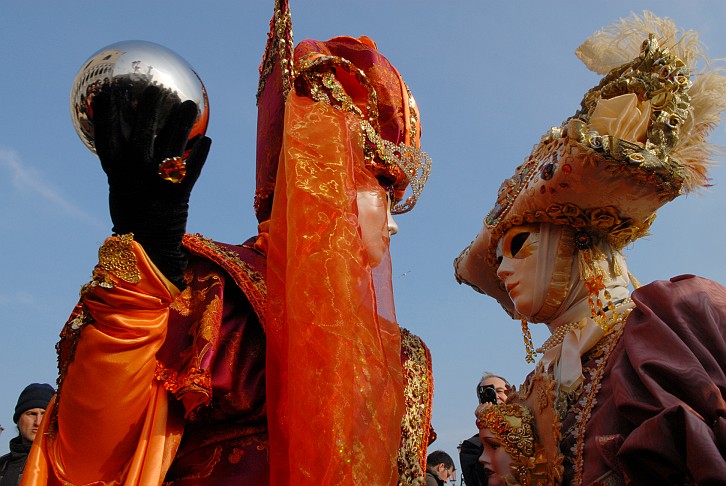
{"type": "Point", "coordinates": [605, 322]}
{"type": "Point", "coordinates": [559, 335]}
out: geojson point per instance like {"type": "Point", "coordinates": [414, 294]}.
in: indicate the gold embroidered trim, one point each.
{"type": "Point", "coordinates": [250, 281]}
{"type": "Point", "coordinates": [116, 256]}
{"type": "Point", "coordinates": [280, 46]}
{"type": "Point", "coordinates": [318, 73]}
{"type": "Point", "coordinates": [66, 351]}
{"type": "Point", "coordinates": [416, 421]}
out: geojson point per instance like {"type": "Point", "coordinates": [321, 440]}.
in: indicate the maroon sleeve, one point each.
{"type": "Point", "coordinates": [672, 383]}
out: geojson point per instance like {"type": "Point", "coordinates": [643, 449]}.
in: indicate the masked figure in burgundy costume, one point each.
{"type": "Point", "coordinates": [277, 361]}
{"type": "Point", "coordinates": [630, 388]}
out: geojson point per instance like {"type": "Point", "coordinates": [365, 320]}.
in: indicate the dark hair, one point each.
{"type": "Point", "coordinates": [440, 457]}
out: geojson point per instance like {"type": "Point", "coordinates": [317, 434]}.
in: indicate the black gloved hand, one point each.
{"type": "Point", "coordinates": [131, 144]}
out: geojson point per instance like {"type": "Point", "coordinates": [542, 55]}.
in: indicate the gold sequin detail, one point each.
{"type": "Point", "coordinates": [417, 417]}
{"type": "Point", "coordinates": [279, 48]}
{"type": "Point", "coordinates": [116, 256]}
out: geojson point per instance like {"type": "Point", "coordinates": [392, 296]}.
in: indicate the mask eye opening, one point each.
{"type": "Point", "coordinates": [517, 242]}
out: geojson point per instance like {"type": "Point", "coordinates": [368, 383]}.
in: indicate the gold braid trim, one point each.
{"type": "Point", "coordinates": [316, 71]}
{"type": "Point", "coordinates": [250, 281]}
{"type": "Point", "coordinates": [416, 422]}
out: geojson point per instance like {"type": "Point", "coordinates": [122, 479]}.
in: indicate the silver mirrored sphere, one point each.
{"type": "Point", "coordinates": [133, 66]}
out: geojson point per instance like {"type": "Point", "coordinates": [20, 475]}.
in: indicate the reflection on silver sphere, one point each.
{"type": "Point", "coordinates": [132, 66]}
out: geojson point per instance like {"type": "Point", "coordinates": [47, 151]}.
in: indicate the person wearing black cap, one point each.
{"type": "Point", "coordinates": [29, 412]}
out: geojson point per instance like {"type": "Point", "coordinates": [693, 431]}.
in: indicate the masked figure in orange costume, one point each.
{"type": "Point", "coordinates": [631, 387]}
{"type": "Point", "coordinates": [278, 361]}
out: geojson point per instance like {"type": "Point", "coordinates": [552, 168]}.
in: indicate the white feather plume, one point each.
{"type": "Point", "coordinates": [620, 42]}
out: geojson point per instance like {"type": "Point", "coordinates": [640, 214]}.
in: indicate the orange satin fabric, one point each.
{"type": "Point", "coordinates": [113, 423]}
{"type": "Point", "coordinates": [335, 384]}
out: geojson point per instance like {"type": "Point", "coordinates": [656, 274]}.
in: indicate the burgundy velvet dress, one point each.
{"type": "Point", "coordinates": [213, 362]}
{"type": "Point", "coordinates": [652, 409]}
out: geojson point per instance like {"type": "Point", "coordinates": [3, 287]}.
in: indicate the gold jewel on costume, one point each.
{"type": "Point", "coordinates": [607, 323]}
{"type": "Point", "coordinates": [528, 345]}
{"type": "Point", "coordinates": [173, 169]}
{"type": "Point", "coordinates": [116, 257]}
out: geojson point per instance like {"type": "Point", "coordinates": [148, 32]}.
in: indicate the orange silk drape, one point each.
{"type": "Point", "coordinates": [113, 425]}
{"type": "Point", "coordinates": [334, 377]}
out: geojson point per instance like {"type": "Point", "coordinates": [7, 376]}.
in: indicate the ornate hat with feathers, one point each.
{"type": "Point", "coordinates": [637, 142]}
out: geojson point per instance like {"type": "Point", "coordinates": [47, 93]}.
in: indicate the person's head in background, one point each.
{"type": "Point", "coordinates": [29, 410]}
{"type": "Point", "coordinates": [501, 386]}
{"type": "Point", "coordinates": [441, 465]}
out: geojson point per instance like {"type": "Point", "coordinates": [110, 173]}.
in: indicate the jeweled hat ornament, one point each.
{"type": "Point", "coordinates": [637, 142]}
{"type": "Point", "coordinates": [132, 66]}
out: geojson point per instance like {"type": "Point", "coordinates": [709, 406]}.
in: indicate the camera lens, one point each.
{"type": "Point", "coordinates": [487, 394]}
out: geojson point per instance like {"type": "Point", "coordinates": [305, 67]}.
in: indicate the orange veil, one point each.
{"type": "Point", "coordinates": [333, 358]}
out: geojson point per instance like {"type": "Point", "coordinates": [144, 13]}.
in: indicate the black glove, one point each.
{"type": "Point", "coordinates": [131, 144]}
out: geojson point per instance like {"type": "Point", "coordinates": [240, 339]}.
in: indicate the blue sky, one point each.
{"type": "Point", "coordinates": [489, 77]}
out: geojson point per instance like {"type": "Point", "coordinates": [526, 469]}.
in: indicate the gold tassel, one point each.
{"type": "Point", "coordinates": [528, 346]}
{"type": "Point", "coordinates": [634, 281]}
{"type": "Point", "coordinates": [617, 265]}
{"type": "Point", "coordinates": [588, 264]}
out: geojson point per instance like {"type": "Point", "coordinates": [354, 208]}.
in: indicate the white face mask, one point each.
{"type": "Point", "coordinates": [518, 255]}
{"type": "Point", "coordinates": [539, 269]}
{"type": "Point", "coordinates": [376, 222]}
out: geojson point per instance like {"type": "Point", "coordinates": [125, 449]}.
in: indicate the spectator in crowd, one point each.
{"type": "Point", "coordinates": [29, 411]}
{"type": "Point", "coordinates": [439, 469]}
{"type": "Point", "coordinates": [490, 387]}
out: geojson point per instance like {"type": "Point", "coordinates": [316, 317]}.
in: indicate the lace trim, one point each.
{"type": "Point", "coordinates": [588, 400]}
